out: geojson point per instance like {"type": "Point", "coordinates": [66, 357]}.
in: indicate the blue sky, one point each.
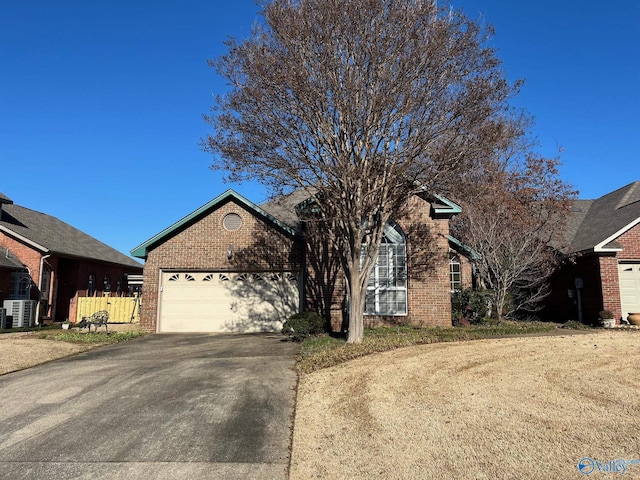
{"type": "Point", "coordinates": [101, 103]}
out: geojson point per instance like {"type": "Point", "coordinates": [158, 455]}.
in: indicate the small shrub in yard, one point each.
{"type": "Point", "coordinates": [470, 305]}
{"type": "Point", "coordinates": [575, 325]}
{"type": "Point", "coordinates": [302, 325]}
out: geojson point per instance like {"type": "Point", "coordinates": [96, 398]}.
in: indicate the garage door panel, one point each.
{"type": "Point", "coordinates": [629, 279]}
{"type": "Point", "coordinates": [227, 302]}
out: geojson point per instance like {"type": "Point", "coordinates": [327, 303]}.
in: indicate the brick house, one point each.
{"type": "Point", "coordinates": [602, 271]}
{"type": "Point", "coordinates": [48, 261]}
{"type": "Point", "coordinates": [234, 266]}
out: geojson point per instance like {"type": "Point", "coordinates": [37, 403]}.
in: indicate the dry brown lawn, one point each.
{"type": "Point", "coordinates": [21, 350]}
{"type": "Point", "coordinates": [511, 408]}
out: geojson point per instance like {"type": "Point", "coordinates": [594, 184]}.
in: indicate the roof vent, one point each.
{"type": "Point", "coordinates": [232, 222]}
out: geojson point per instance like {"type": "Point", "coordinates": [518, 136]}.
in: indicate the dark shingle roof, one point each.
{"type": "Point", "coordinates": [59, 237]}
{"type": "Point", "coordinates": [598, 220]}
{"type": "Point", "coordinates": [4, 198]}
{"type": "Point", "coordinates": [284, 207]}
{"type": "Point", "coordinates": [9, 260]}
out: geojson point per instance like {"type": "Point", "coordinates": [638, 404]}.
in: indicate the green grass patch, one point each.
{"type": "Point", "coordinates": [102, 338]}
{"type": "Point", "coordinates": [325, 351]}
{"type": "Point", "coordinates": [29, 329]}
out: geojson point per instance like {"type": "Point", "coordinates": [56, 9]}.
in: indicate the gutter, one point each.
{"type": "Point", "coordinates": [42, 259]}
{"type": "Point", "coordinates": [13, 234]}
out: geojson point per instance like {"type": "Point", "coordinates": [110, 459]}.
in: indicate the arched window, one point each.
{"type": "Point", "coordinates": [106, 283]}
{"type": "Point", "coordinates": [20, 285]}
{"type": "Point", "coordinates": [119, 286]}
{"type": "Point", "coordinates": [91, 286]}
{"type": "Point", "coordinates": [387, 288]}
{"type": "Point", "coordinates": [455, 272]}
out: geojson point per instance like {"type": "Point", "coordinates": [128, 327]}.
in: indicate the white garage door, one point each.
{"type": "Point", "coordinates": [227, 302]}
{"type": "Point", "coordinates": [629, 276]}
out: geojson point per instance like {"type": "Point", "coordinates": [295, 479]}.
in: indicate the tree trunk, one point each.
{"type": "Point", "coordinates": [499, 300]}
{"type": "Point", "coordinates": [356, 304]}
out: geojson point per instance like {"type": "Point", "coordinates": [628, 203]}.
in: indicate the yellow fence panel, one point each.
{"type": "Point", "coordinates": [121, 309]}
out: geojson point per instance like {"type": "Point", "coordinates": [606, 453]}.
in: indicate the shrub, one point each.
{"type": "Point", "coordinates": [302, 325]}
{"type": "Point", "coordinates": [471, 305]}
{"type": "Point", "coordinates": [606, 314]}
{"type": "Point", "coordinates": [575, 325]}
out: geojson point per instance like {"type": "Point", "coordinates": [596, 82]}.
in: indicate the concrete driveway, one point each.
{"type": "Point", "coordinates": [162, 407]}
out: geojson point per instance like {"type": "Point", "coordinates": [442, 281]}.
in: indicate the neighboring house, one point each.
{"type": "Point", "coordinates": [234, 266]}
{"type": "Point", "coordinates": [47, 260]}
{"type": "Point", "coordinates": [8, 265]}
{"type": "Point", "coordinates": [603, 268]}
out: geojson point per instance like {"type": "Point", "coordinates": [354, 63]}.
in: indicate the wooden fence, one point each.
{"type": "Point", "coordinates": [121, 309]}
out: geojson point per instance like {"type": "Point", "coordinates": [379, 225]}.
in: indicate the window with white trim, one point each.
{"type": "Point", "coordinates": [387, 288]}
{"type": "Point", "coordinates": [455, 273]}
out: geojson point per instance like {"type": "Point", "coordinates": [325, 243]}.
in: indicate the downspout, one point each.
{"type": "Point", "coordinates": [42, 259]}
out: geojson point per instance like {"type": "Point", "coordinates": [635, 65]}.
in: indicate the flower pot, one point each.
{"type": "Point", "coordinates": [634, 318]}
{"type": "Point", "coordinates": [65, 326]}
{"type": "Point", "coordinates": [608, 322]}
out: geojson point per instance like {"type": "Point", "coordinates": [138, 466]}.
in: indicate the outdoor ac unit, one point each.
{"type": "Point", "coordinates": [22, 312]}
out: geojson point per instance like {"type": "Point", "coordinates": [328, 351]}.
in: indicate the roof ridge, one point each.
{"type": "Point", "coordinates": [632, 196]}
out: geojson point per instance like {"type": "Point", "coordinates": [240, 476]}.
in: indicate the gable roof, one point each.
{"type": "Point", "coordinates": [51, 235]}
{"type": "Point", "coordinates": [466, 250]}
{"type": "Point", "coordinates": [443, 206]}
{"type": "Point", "coordinates": [595, 224]}
{"type": "Point", "coordinates": [284, 207]}
{"type": "Point", "coordinates": [143, 249]}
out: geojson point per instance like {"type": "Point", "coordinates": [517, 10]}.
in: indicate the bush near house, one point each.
{"type": "Point", "coordinates": [302, 325]}
{"type": "Point", "coordinates": [470, 306]}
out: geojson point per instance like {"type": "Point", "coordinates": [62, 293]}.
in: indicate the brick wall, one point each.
{"type": "Point", "coordinates": [27, 255]}
{"type": "Point", "coordinates": [630, 242]}
{"type": "Point", "coordinates": [428, 265]}
{"type": "Point", "coordinates": [204, 244]}
{"type": "Point", "coordinates": [428, 283]}
{"type": "Point", "coordinates": [610, 285]}
{"type": "Point", "coordinates": [466, 271]}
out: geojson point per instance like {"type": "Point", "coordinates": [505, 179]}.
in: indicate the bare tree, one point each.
{"type": "Point", "coordinates": [514, 219]}
{"type": "Point", "coordinates": [363, 103]}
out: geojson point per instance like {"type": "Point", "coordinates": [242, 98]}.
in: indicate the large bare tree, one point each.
{"type": "Point", "coordinates": [362, 103]}
{"type": "Point", "coordinates": [514, 217]}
